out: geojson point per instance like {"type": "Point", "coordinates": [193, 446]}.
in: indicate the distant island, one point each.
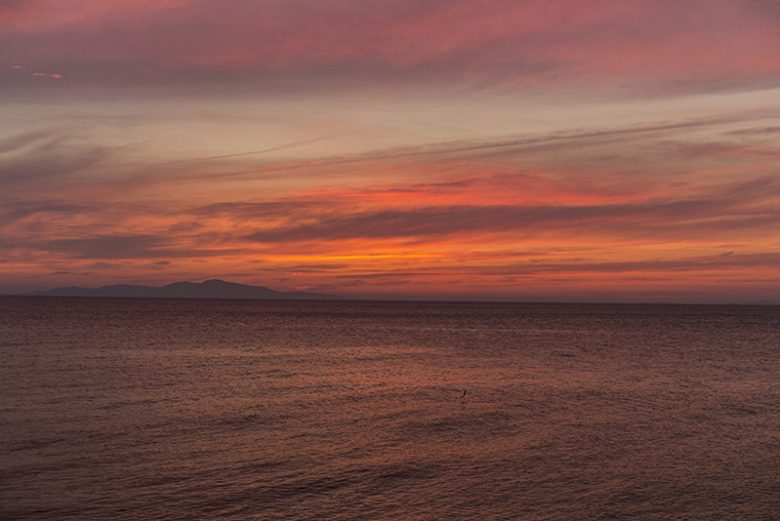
{"type": "Point", "coordinates": [213, 289]}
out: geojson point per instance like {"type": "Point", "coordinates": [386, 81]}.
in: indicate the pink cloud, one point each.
{"type": "Point", "coordinates": [52, 75]}
{"type": "Point", "coordinates": [498, 41]}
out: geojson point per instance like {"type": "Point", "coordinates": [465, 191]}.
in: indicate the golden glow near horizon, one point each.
{"type": "Point", "coordinates": [510, 150]}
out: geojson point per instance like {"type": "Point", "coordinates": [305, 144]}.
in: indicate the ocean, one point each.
{"type": "Point", "coordinates": [271, 410]}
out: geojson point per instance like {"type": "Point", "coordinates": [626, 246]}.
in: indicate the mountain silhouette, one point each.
{"type": "Point", "coordinates": [215, 289]}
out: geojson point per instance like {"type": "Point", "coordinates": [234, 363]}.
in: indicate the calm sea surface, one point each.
{"type": "Point", "coordinates": [191, 409]}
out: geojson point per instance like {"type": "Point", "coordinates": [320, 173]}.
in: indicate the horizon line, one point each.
{"type": "Point", "coordinates": [417, 300]}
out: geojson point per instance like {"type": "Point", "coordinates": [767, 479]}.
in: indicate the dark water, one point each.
{"type": "Point", "coordinates": [149, 409]}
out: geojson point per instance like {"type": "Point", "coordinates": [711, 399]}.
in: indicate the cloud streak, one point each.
{"type": "Point", "coordinates": [607, 220]}
{"type": "Point", "coordinates": [497, 42]}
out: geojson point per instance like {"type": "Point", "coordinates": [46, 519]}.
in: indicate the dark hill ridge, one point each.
{"type": "Point", "coordinates": [217, 289]}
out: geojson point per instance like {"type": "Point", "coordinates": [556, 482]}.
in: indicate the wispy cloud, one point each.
{"type": "Point", "coordinates": [498, 42]}
{"type": "Point", "coordinates": [527, 221]}
{"type": "Point", "coordinates": [129, 246]}
{"type": "Point", "coordinates": [50, 75]}
{"type": "Point", "coordinates": [43, 158]}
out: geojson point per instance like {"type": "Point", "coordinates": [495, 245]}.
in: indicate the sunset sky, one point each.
{"type": "Point", "coordinates": [608, 150]}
